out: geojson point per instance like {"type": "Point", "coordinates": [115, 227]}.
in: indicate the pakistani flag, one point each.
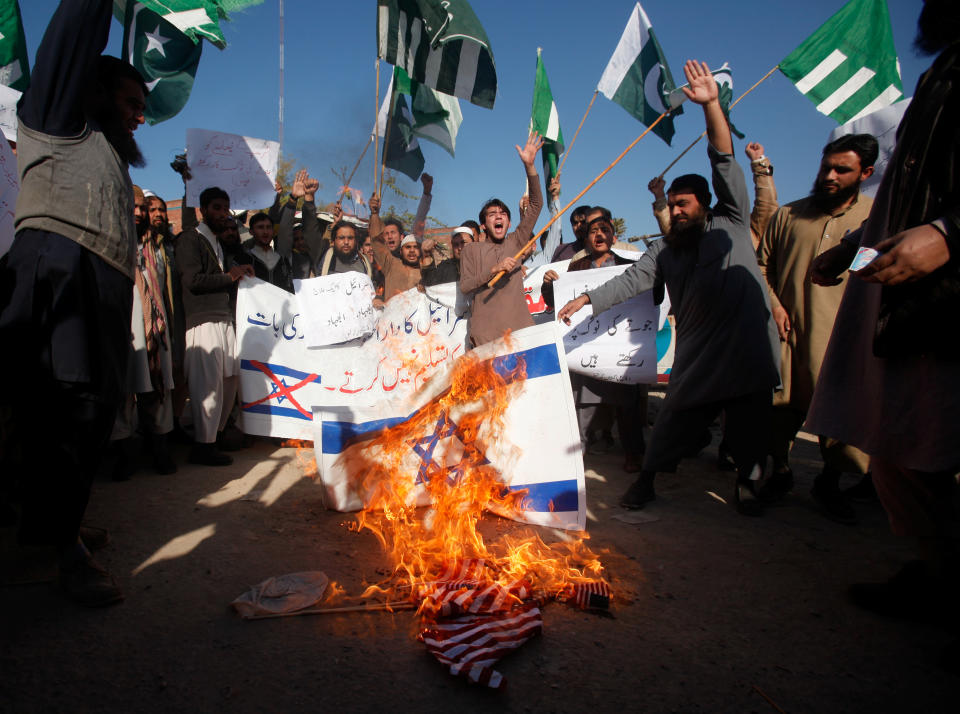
{"type": "Point", "coordinates": [440, 43]}
{"type": "Point", "coordinates": [724, 78]}
{"type": "Point", "coordinates": [436, 117]}
{"type": "Point", "coordinates": [545, 121]}
{"type": "Point", "coordinates": [848, 67]}
{"type": "Point", "coordinates": [401, 150]}
{"type": "Point", "coordinates": [14, 65]}
{"type": "Point", "coordinates": [637, 76]}
{"type": "Point", "coordinates": [197, 19]}
{"type": "Point", "coordinates": [165, 57]}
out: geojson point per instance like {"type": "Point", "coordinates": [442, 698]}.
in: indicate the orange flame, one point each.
{"type": "Point", "coordinates": [460, 484]}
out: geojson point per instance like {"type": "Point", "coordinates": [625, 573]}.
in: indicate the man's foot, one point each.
{"type": "Point", "coordinates": [639, 494]}
{"type": "Point", "coordinates": [911, 594]}
{"type": "Point", "coordinates": [85, 581]}
{"type": "Point", "coordinates": [94, 538]}
{"type": "Point", "coordinates": [835, 505]}
{"type": "Point", "coordinates": [746, 499]}
{"type": "Point", "coordinates": [778, 485]}
{"type": "Point", "coordinates": [863, 491]}
{"type": "Point", "coordinates": [209, 455]}
{"type": "Point", "coordinates": [230, 439]}
{"type": "Point", "coordinates": [160, 452]}
{"type": "Point", "coordinates": [724, 459]}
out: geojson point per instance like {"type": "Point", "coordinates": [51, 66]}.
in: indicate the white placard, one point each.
{"type": "Point", "coordinates": [8, 111]}
{"type": "Point", "coordinates": [619, 345]}
{"type": "Point", "coordinates": [243, 167]}
{"type": "Point", "coordinates": [336, 308]}
{"type": "Point", "coordinates": [9, 189]}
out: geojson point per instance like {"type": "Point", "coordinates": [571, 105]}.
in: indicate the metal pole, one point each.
{"type": "Point", "coordinates": [281, 77]}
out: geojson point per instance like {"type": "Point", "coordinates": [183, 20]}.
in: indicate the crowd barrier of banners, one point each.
{"type": "Point", "coordinates": [290, 389]}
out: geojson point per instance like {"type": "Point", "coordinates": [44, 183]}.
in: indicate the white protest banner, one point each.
{"type": "Point", "coordinates": [281, 378]}
{"type": "Point", "coordinates": [882, 124]}
{"type": "Point", "coordinates": [243, 167]}
{"type": "Point", "coordinates": [336, 308]}
{"type": "Point", "coordinates": [8, 111]}
{"type": "Point", "coordinates": [9, 189]}
{"type": "Point", "coordinates": [538, 451]}
{"type": "Point", "coordinates": [532, 284]}
{"type": "Point", "coordinates": [619, 345]}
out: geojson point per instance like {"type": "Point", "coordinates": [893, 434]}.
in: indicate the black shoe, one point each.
{"type": "Point", "coordinates": [209, 455]}
{"type": "Point", "coordinates": [230, 439]}
{"type": "Point", "coordinates": [639, 494]}
{"type": "Point", "coordinates": [160, 452]}
{"type": "Point", "coordinates": [85, 581]}
{"type": "Point", "coordinates": [94, 538]}
{"type": "Point", "coordinates": [778, 485]}
{"type": "Point", "coordinates": [911, 594]}
{"type": "Point", "coordinates": [835, 505]}
{"type": "Point", "coordinates": [746, 499]}
{"type": "Point", "coordinates": [724, 459]}
{"type": "Point", "coordinates": [863, 491]}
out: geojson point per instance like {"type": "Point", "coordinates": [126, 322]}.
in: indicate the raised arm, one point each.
{"type": "Point", "coordinates": [660, 210]}
{"type": "Point", "coordinates": [551, 241]}
{"type": "Point", "coordinates": [765, 192]}
{"type": "Point", "coordinates": [65, 66]}
{"type": "Point", "coordinates": [423, 208]}
{"type": "Point", "coordinates": [375, 225]}
{"type": "Point", "coordinates": [524, 230]}
{"type": "Point", "coordinates": [702, 89]}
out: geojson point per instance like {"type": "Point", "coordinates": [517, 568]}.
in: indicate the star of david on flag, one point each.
{"type": "Point", "coordinates": [540, 455]}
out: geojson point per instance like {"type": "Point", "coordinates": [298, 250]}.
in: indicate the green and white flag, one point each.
{"type": "Point", "coordinates": [637, 76]}
{"type": "Point", "coordinates": [848, 67]}
{"type": "Point", "coordinates": [401, 150]}
{"type": "Point", "coordinates": [14, 64]}
{"type": "Point", "coordinates": [436, 116]}
{"type": "Point", "coordinates": [197, 19]}
{"type": "Point", "coordinates": [165, 57]}
{"type": "Point", "coordinates": [545, 121]}
{"type": "Point", "coordinates": [440, 43]}
{"type": "Point", "coordinates": [724, 77]}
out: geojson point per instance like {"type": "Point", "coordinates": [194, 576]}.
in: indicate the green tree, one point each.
{"type": "Point", "coordinates": [619, 227]}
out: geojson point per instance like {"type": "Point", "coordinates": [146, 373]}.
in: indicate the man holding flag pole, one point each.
{"type": "Point", "coordinates": [727, 352]}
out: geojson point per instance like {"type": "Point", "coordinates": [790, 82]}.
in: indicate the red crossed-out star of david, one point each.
{"type": "Point", "coordinates": [281, 390]}
{"type": "Point", "coordinates": [425, 446]}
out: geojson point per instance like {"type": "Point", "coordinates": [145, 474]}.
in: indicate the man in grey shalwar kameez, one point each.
{"type": "Point", "coordinates": [727, 354]}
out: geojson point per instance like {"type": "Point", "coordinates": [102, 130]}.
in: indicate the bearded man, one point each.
{"type": "Point", "coordinates": [727, 348]}
{"type": "Point", "coordinates": [343, 255]}
{"type": "Point", "coordinates": [805, 312]}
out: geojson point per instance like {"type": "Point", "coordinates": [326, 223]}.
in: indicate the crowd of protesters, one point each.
{"type": "Point", "coordinates": [123, 324]}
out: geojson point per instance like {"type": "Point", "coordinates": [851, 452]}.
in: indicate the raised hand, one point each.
{"type": "Point", "coordinates": [277, 187]}
{"type": "Point", "coordinates": [310, 186]}
{"type": "Point", "coordinates": [298, 189]}
{"type": "Point", "coordinates": [702, 87]}
{"type": "Point", "coordinates": [374, 204]}
{"type": "Point", "coordinates": [553, 190]}
{"type": "Point", "coordinates": [427, 181]}
{"type": "Point", "coordinates": [337, 212]}
{"type": "Point", "coordinates": [657, 186]}
{"type": "Point", "coordinates": [754, 150]}
{"type": "Point", "coordinates": [529, 152]}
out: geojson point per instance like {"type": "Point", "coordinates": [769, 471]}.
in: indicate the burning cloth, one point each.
{"type": "Point", "coordinates": [535, 449]}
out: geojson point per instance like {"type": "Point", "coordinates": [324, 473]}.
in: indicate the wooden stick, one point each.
{"type": "Point", "coordinates": [495, 278]}
{"type": "Point", "coordinates": [769, 700]}
{"type": "Point", "coordinates": [381, 607]}
{"type": "Point", "coordinates": [357, 165]}
{"type": "Point", "coordinates": [386, 145]}
{"type": "Point", "coordinates": [376, 127]}
{"type": "Point", "coordinates": [566, 152]}
{"type": "Point", "coordinates": [732, 105]}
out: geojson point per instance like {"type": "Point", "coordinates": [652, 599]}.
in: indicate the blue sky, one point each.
{"type": "Point", "coordinates": [330, 103]}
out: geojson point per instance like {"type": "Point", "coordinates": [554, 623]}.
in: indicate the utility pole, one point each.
{"type": "Point", "coordinates": [281, 78]}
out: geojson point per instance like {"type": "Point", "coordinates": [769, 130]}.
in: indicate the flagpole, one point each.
{"type": "Point", "coordinates": [386, 139]}
{"type": "Point", "coordinates": [281, 78]}
{"type": "Point", "coordinates": [495, 278]}
{"type": "Point", "coordinates": [376, 127]}
{"type": "Point", "coordinates": [566, 153]}
{"type": "Point", "coordinates": [732, 105]}
{"type": "Point", "coordinates": [357, 165]}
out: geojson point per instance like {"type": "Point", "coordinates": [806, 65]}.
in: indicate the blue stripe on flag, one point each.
{"type": "Point", "coordinates": [540, 361]}
{"type": "Point", "coordinates": [549, 496]}
{"type": "Point", "coordinates": [276, 411]}
{"type": "Point", "coordinates": [336, 434]}
{"type": "Point", "coordinates": [278, 370]}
